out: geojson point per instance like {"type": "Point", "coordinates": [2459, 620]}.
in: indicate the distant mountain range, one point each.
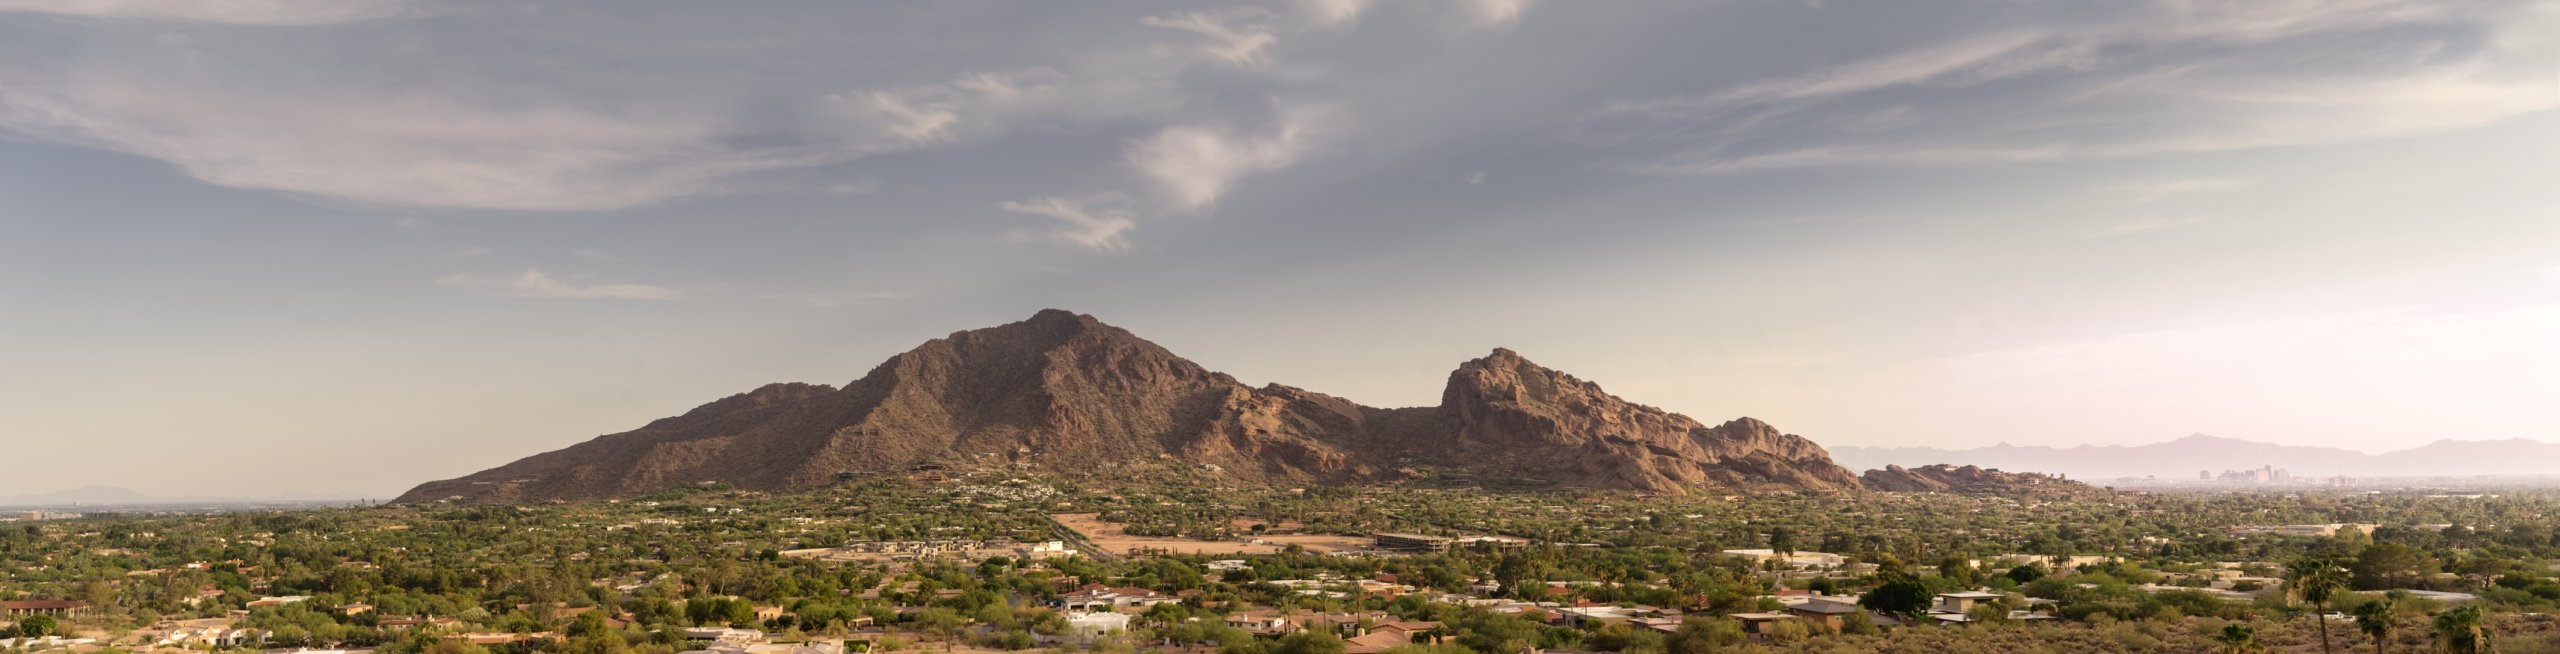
{"type": "Point", "coordinates": [2184, 458]}
{"type": "Point", "coordinates": [96, 495]}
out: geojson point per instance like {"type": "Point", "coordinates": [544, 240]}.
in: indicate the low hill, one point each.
{"type": "Point", "coordinates": [2185, 457]}
{"type": "Point", "coordinates": [1944, 478]}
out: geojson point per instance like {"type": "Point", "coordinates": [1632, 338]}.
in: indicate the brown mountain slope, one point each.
{"type": "Point", "coordinates": [1065, 393]}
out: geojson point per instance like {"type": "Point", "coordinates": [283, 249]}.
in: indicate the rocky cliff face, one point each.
{"type": "Point", "coordinates": [1943, 478]}
{"type": "Point", "coordinates": [1064, 392]}
{"type": "Point", "coordinates": [1554, 426]}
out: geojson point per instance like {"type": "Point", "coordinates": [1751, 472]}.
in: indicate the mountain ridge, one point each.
{"type": "Point", "coordinates": [1065, 392]}
{"type": "Point", "coordinates": [2184, 457]}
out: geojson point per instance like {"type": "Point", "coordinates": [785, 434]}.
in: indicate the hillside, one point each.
{"type": "Point", "coordinates": [1065, 393]}
{"type": "Point", "coordinates": [1943, 478]}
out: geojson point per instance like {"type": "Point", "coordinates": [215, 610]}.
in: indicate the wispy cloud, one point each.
{"type": "Point", "coordinates": [445, 151]}
{"type": "Point", "coordinates": [2188, 79]}
{"type": "Point", "coordinates": [533, 282]}
{"type": "Point", "coordinates": [1236, 37]}
{"type": "Point", "coordinates": [1093, 222]}
{"type": "Point", "coordinates": [1493, 13]}
{"type": "Point", "coordinates": [422, 151]}
{"type": "Point", "coordinates": [237, 12]}
{"type": "Point", "coordinates": [1334, 13]}
{"type": "Point", "coordinates": [1192, 166]}
{"type": "Point", "coordinates": [538, 283]}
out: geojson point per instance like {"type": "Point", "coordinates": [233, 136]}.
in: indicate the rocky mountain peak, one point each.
{"type": "Point", "coordinates": [1065, 392]}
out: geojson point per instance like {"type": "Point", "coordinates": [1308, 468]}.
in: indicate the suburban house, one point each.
{"type": "Point", "coordinates": [1261, 623]}
{"type": "Point", "coordinates": [1097, 624]}
{"type": "Point", "coordinates": [55, 608]}
{"type": "Point", "coordinates": [1759, 623]}
{"type": "Point", "coordinates": [1390, 635]}
{"type": "Point", "coordinates": [1824, 612]}
{"type": "Point", "coordinates": [396, 624]}
{"type": "Point", "coordinates": [1097, 597]}
{"type": "Point", "coordinates": [492, 638]}
{"type": "Point", "coordinates": [1963, 602]}
{"type": "Point", "coordinates": [1796, 559]}
{"type": "Point", "coordinates": [723, 634]}
{"type": "Point", "coordinates": [1387, 589]}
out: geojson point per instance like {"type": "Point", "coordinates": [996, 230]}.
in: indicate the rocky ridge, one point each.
{"type": "Point", "coordinates": [1066, 393]}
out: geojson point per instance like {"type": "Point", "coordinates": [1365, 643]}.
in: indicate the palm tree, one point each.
{"type": "Point", "coordinates": [2461, 631]}
{"type": "Point", "coordinates": [2374, 619]}
{"type": "Point", "coordinates": [2237, 638]}
{"type": "Point", "coordinates": [2315, 579]}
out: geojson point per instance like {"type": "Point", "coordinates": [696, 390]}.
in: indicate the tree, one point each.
{"type": "Point", "coordinates": [2026, 574]}
{"type": "Point", "coordinates": [943, 623]}
{"type": "Point", "coordinates": [1701, 636]}
{"type": "Point", "coordinates": [2374, 619]}
{"type": "Point", "coordinates": [2384, 565]}
{"type": "Point", "coordinates": [1900, 597]}
{"type": "Point", "coordinates": [1310, 642]}
{"type": "Point", "coordinates": [36, 626]}
{"type": "Point", "coordinates": [2460, 630]}
{"type": "Point", "coordinates": [1987, 613]}
{"type": "Point", "coordinates": [2315, 579]}
{"type": "Point", "coordinates": [2237, 638]}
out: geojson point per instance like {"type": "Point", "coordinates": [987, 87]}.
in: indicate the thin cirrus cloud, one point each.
{"type": "Point", "coordinates": [235, 12]}
{"type": "Point", "coordinates": [1095, 222]}
{"type": "Point", "coordinates": [416, 151]}
{"type": "Point", "coordinates": [437, 151]}
{"type": "Point", "coordinates": [538, 283]}
{"type": "Point", "coordinates": [2188, 78]}
{"type": "Point", "coordinates": [535, 283]}
{"type": "Point", "coordinates": [1237, 37]}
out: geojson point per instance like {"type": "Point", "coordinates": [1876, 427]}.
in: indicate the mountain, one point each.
{"type": "Point", "coordinates": [1943, 478]}
{"type": "Point", "coordinates": [96, 495]}
{"type": "Point", "coordinates": [1066, 393]}
{"type": "Point", "coordinates": [2183, 458]}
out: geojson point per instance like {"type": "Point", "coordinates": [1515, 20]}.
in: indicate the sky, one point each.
{"type": "Point", "coordinates": [341, 247]}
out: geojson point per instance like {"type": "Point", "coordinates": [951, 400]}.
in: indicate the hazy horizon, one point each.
{"type": "Point", "coordinates": [265, 248]}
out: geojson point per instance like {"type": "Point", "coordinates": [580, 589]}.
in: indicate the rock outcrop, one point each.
{"type": "Point", "coordinates": [1066, 393]}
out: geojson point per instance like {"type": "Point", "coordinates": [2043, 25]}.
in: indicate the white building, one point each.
{"type": "Point", "coordinates": [1097, 624]}
{"type": "Point", "coordinates": [1797, 559]}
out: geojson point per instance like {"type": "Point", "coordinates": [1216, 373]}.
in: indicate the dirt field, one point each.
{"type": "Point", "coordinates": [1110, 537]}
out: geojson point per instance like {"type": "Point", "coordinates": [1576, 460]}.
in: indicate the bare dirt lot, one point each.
{"type": "Point", "coordinates": [1112, 538]}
